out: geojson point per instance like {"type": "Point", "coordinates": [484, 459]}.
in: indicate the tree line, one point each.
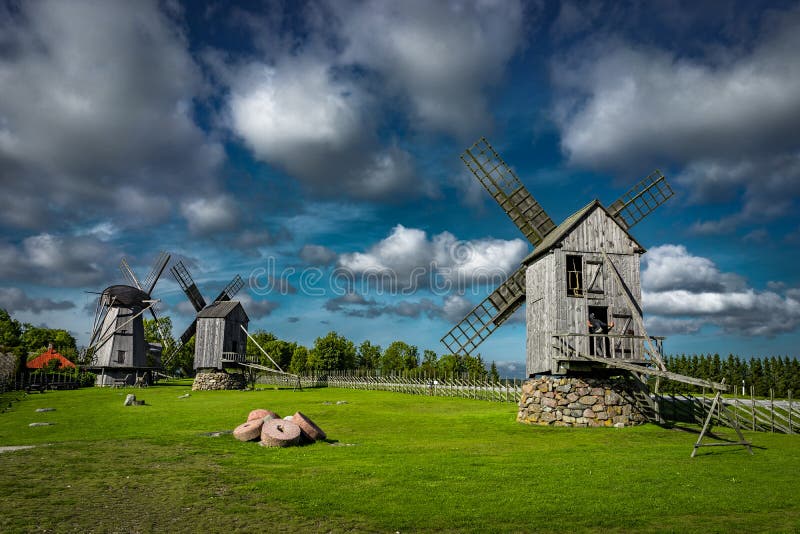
{"type": "Point", "coordinates": [335, 352]}
{"type": "Point", "coordinates": [762, 374]}
{"type": "Point", "coordinates": [27, 341]}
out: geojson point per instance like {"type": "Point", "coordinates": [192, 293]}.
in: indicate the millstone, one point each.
{"type": "Point", "coordinates": [310, 430]}
{"type": "Point", "coordinates": [248, 431]}
{"type": "Point", "coordinates": [257, 414]}
{"type": "Point", "coordinates": [280, 433]}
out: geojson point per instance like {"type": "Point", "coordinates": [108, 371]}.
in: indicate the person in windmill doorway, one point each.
{"type": "Point", "coordinates": [601, 345]}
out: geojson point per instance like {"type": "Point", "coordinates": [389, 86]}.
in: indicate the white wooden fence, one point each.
{"type": "Point", "coordinates": [507, 390]}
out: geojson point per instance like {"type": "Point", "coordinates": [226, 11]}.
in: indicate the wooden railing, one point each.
{"type": "Point", "coordinates": [619, 346]}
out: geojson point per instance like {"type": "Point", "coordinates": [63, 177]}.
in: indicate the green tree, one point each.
{"type": "Point", "coordinates": [281, 351]}
{"type": "Point", "coordinates": [451, 365]}
{"type": "Point", "coordinates": [10, 331]}
{"type": "Point", "coordinates": [153, 330]}
{"type": "Point", "coordinates": [37, 338]}
{"type": "Point", "coordinates": [299, 363]}
{"type": "Point", "coordinates": [474, 367]}
{"type": "Point", "coordinates": [262, 337]}
{"type": "Point", "coordinates": [399, 356]}
{"type": "Point", "coordinates": [332, 352]}
{"type": "Point", "coordinates": [182, 362]}
{"type": "Point", "coordinates": [429, 361]}
{"type": "Point", "coordinates": [368, 356]}
{"type": "Point", "coordinates": [494, 376]}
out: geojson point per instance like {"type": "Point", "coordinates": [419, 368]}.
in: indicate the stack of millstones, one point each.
{"type": "Point", "coordinates": [272, 431]}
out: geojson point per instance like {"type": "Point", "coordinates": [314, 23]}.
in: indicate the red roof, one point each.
{"type": "Point", "coordinates": [42, 359]}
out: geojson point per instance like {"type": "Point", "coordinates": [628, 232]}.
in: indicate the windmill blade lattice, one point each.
{"type": "Point", "coordinates": [127, 273]}
{"type": "Point", "coordinates": [186, 282]}
{"type": "Point", "coordinates": [504, 186]}
{"type": "Point", "coordinates": [487, 316]}
{"type": "Point", "coordinates": [231, 289]}
{"type": "Point", "coordinates": [155, 272]}
{"type": "Point", "coordinates": [641, 200]}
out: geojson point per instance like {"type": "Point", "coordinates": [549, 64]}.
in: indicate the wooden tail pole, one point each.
{"type": "Point", "coordinates": [707, 427]}
{"type": "Point", "coordinates": [259, 348]}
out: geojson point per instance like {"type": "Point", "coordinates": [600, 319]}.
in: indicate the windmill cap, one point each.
{"type": "Point", "coordinates": [124, 296]}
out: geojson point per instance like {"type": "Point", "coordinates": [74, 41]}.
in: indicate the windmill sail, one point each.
{"type": "Point", "coordinates": [487, 316]}
{"type": "Point", "coordinates": [127, 273]}
{"type": "Point", "coordinates": [184, 280]}
{"type": "Point", "coordinates": [231, 289]}
{"type": "Point", "coordinates": [155, 273]}
{"type": "Point", "coordinates": [641, 200]}
{"type": "Point", "coordinates": [504, 186]}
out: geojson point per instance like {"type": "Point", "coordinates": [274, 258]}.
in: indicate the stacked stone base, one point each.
{"type": "Point", "coordinates": [579, 402]}
{"type": "Point", "coordinates": [218, 381]}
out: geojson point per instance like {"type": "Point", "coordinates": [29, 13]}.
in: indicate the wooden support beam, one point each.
{"type": "Point", "coordinates": [636, 311]}
{"type": "Point", "coordinates": [707, 427]}
{"type": "Point", "coordinates": [620, 364]}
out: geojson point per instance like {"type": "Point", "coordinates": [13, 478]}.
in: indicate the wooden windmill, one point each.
{"type": "Point", "coordinates": [217, 326]}
{"type": "Point", "coordinates": [581, 275]}
{"type": "Point", "coordinates": [117, 343]}
{"type": "Point", "coordinates": [587, 264]}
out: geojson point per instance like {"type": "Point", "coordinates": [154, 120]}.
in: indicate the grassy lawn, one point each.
{"type": "Point", "coordinates": [394, 463]}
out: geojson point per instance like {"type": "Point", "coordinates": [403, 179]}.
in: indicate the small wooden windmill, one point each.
{"type": "Point", "coordinates": [218, 326]}
{"type": "Point", "coordinates": [589, 264]}
{"type": "Point", "coordinates": [117, 343]}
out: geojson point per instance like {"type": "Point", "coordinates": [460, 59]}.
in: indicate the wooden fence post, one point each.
{"type": "Point", "coordinates": [753, 405]}
{"type": "Point", "coordinates": [771, 411]}
{"type": "Point", "coordinates": [791, 430]}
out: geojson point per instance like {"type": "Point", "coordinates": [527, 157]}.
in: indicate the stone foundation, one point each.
{"type": "Point", "coordinates": [218, 380]}
{"type": "Point", "coordinates": [579, 402]}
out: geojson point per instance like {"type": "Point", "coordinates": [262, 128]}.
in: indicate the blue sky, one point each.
{"type": "Point", "coordinates": [305, 145]}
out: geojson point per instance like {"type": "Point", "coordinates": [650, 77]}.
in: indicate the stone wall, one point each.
{"type": "Point", "coordinates": [579, 402]}
{"type": "Point", "coordinates": [218, 380]}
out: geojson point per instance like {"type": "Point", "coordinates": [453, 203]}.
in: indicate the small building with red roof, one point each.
{"type": "Point", "coordinates": [43, 359]}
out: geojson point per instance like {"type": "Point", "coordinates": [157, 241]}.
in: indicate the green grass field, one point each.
{"type": "Point", "coordinates": [394, 462]}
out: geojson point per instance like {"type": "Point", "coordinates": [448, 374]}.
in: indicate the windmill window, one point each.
{"type": "Point", "coordinates": [120, 356]}
{"type": "Point", "coordinates": [574, 276]}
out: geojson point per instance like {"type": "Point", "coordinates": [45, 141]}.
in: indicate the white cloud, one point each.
{"type": "Point", "coordinates": [638, 103]}
{"type": "Point", "coordinates": [407, 260]}
{"type": "Point", "coordinates": [669, 267]}
{"type": "Point", "coordinates": [297, 105]}
{"type": "Point", "coordinates": [456, 308]}
{"type": "Point", "coordinates": [210, 214]}
{"type": "Point", "coordinates": [681, 293]}
{"type": "Point", "coordinates": [299, 115]}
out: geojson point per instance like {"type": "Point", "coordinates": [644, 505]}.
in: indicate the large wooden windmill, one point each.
{"type": "Point", "coordinates": [118, 346]}
{"type": "Point", "coordinates": [587, 264]}
{"type": "Point", "coordinates": [218, 325]}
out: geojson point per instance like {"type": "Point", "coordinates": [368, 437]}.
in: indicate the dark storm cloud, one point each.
{"type": "Point", "coordinates": [729, 118]}
{"type": "Point", "coordinates": [96, 114]}
{"type": "Point", "coordinates": [13, 299]}
{"type": "Point", "coordinates": [59, 261]}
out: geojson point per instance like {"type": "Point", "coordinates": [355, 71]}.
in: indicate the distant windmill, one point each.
{"type": "Point", "coordinates": [563, 292]}
{"type": "Point", "coordinates": [184, 279]}
{"type": "Point", "coordinates": [117, 342]}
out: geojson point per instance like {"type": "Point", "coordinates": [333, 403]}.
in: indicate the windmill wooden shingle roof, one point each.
{"type": "Point", "coordinates": [554, 238]}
